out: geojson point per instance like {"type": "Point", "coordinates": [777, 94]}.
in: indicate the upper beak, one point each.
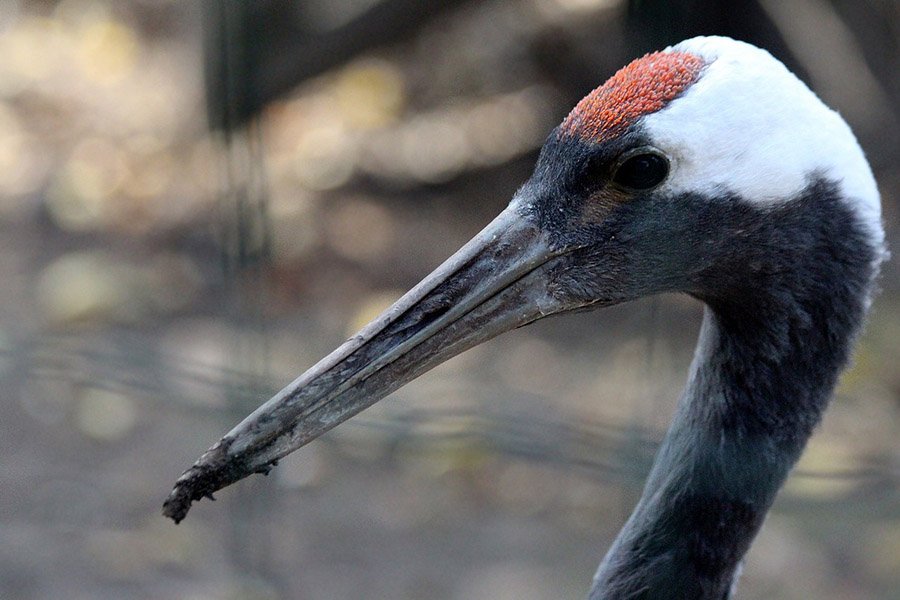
{"type": "Point", "coordinates": [496, 282]}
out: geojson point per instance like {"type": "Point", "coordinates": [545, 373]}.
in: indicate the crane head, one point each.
{"type": "Point", "coordinates": [682, 173]}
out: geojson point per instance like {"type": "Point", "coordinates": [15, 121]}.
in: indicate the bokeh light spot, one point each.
{"type": "Point", "coordinates": [108, 51]}
{"type": "Point", "coordinates": [105, 415]}
{"type": "Point", "coordinates": [370, 93]}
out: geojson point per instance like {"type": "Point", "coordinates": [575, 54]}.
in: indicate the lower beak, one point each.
{"type": "Point", "coordinates": [496, 282]}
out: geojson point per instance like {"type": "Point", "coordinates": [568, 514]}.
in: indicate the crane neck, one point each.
{"type": "Point", "coordinates": [768, 358]}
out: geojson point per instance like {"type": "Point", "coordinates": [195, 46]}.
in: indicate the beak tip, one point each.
{"type": "Point", "coordinates": [194, 484]}
{"type": "Point", "coordinates": [212, 472]}
{"type": "Point", "coordinates": [178, 503]}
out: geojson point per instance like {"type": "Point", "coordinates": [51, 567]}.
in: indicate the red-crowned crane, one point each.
{"type": "Point", "coordinates": [708, 169]}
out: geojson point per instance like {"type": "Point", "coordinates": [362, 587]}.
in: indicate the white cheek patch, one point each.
{"type": "Point", "coordinates": [750, 127]}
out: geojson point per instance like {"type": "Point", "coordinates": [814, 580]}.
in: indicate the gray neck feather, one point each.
{"type": "Point", "coordinates": [765, 367]}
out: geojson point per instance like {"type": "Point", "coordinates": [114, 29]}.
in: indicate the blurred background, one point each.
{"type": "Point", "coordinates": [200, 199]}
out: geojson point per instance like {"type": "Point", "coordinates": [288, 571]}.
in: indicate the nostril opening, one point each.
{"type": "Point", "coordinates": [434, 313]}
{"type": "Point", "coordinates": [427, 316]}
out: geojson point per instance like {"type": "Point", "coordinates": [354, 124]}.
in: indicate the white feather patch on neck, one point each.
{"type": "Point", "coordinates": [751, 127]}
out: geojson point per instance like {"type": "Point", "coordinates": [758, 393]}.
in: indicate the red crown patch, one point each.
{"type": "Point", "coordinates": [643, 86]}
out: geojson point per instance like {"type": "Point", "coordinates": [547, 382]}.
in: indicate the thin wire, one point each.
{"type": "Point", "coordinates": [598, 449]}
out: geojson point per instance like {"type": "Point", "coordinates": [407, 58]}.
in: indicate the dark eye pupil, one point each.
{"type": "Point", "coordinates": [642, 171]}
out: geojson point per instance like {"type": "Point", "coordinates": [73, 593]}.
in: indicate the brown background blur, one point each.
{"type": "Point", "coordinates": [157, 282]}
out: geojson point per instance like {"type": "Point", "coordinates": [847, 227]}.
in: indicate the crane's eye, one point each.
{"type": "Point", "coordinates": [641, 170]}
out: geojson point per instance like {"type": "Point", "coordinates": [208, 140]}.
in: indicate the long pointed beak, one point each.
{"type": "Point", "coordinates": [496, 282]}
